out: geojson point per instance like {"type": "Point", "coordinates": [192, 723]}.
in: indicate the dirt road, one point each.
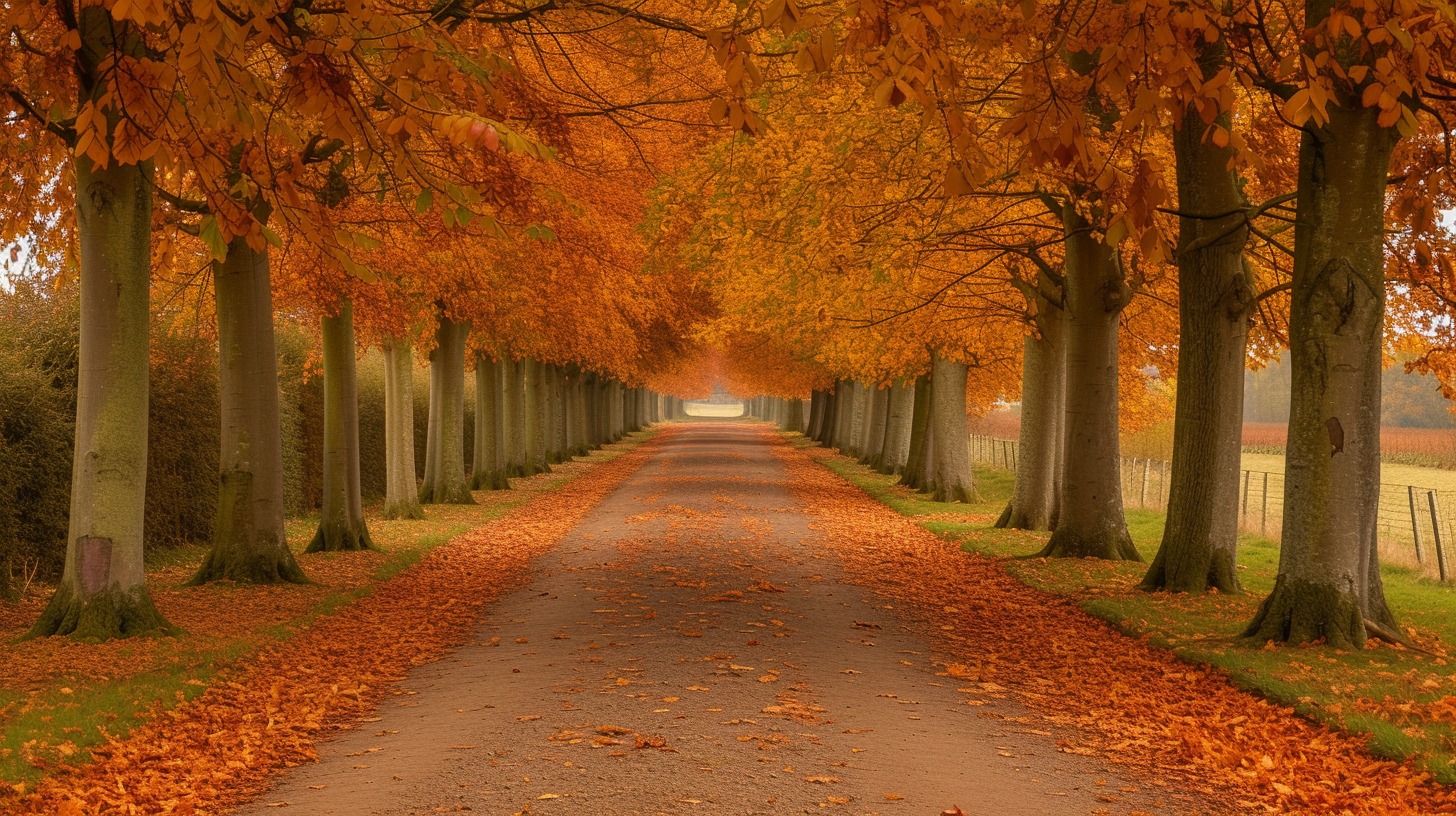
{"type": "Point", "coordinates": [690, 649]}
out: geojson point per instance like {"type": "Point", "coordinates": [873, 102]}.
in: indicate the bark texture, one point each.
{"type": "Point", "coordinates": [248, 543]}
{"type": "Point", "coordinates": [879, 414]}
{"type": "Point", "coordinates": [445, 481]}
{"type": "Point", "coordinates": [486, 471]}
{"type": "Point", "coordinates": [896, 448]}
{"type": "Point", "coordinates": [513, 416]}
{"type": "Point", "coordinates": [918, 456]}
{"type": "Point", "coordinates": [1033, 504]}
{"type": "Point", "coordinates": [535, 418]}
{"type": "Point", "coordinates": [952, 480]}
{"type": "Point", "coordinates": [401, 491]}
{"type": "Point", "coordinates": [1090, 521]}
{"type": "Point", "coordinates": [1329, 587]}
{"type": "Point", "coordinates": [103, 591]}
{"type": "Point", "coordinates": [1200, 540]}
{"type": "Point", "coordinates": [341, 519]}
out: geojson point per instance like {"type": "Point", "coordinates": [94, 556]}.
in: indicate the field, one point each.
{"type": "Point", "coordinates": [1422, 447]}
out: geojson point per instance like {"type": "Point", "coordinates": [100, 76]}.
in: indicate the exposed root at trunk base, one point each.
{"type": "Point", "coordinates": [1108, 545]}
{"type": "Point", "coordinates": [957, 493]}
{"type": "Point", "coordinates": [1195, 572]}
{"type": "Point", "coordinates": [111, 613]}
{"type": "Point", "coordinates": [403, 510]}
{"type": "Point", "coordinates": [458, 493]}
{"type": "Point", "coordinates": [336, 536]}
{"type": "Point", "coordinates": [1299, 611]}
{"type": "Point", "coordinates": [267, 566]}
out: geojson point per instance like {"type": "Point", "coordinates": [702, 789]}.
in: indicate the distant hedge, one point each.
{"type": "Point", "coordinates": [38, 364]}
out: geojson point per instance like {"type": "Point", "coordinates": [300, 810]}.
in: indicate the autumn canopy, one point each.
{"type": "Point", "coordinates": [869, 218]}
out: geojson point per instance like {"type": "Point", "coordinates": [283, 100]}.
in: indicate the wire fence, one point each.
{"type": "Point", "coordinates": [1415, 524]}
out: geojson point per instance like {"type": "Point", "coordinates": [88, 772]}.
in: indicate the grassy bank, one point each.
{"type": "Point", "coordinates": [59, 699]}
{"type": "Point", "coordinates": [1402, 700]}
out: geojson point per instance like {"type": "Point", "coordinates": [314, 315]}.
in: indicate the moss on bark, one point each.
{"type": "Point", "coordinates": [105, 615]}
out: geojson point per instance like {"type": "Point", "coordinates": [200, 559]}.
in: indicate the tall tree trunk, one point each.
{"type": "Point", "coordinates": [513, 416]}
{"type": "Point", "coordinates": [1090, 521]}
{"type": "Point", "coordinates": [248, 544]}
{"type": "Point", "coordinates": [341, 520]}
{"type": "Point", "coordinates": [445, 481]}
{"type": "Point", "coordinates": [879, 415]}
{"type": "Point", "coordinates": [1033, 504]}
{"type": "Point", "coordinates": [486, 471]}
{"type": "Point", "coordinates": [1329, 586]}
{"type": "Point", "coordinates": [1200, 540]}
{"type": "Point", "coordinates": [844, 416]}
{"type": "Point", "coordinates": [913, 475]}
{"type": "Point", "coordinates": [535, 413]}
{"type": "Point", "coordinates": [794, 422]}
{"type": "Point", "coordinates": [103, 591]}
{"type": "Point", "coordinates": [895, 449]}
{"type": "Point", "coordinates": [859, 421]}
{"type": "Point", "coordinates": [401, 491]}
{"type": "Point", "coordinates": [816, 415]}
{"type": "Point", "coordinates": [953, 481]}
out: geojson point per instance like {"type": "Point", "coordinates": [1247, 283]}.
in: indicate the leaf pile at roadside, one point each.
{"type": "Point", "coordinates": [268, 714]}
{"type": "Point", "coordinates": [1136, 704]}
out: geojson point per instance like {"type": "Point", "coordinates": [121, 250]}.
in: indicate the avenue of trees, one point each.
{"type": "Point", "coordinates": [871, 217]}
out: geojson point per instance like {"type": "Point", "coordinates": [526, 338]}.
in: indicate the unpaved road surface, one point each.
{"type": "Point", "coordinates": [690, 649]}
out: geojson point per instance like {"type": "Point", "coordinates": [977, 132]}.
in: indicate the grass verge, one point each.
{"type": "Point", "coordinates": [1402, 701]}
{"type": "Point", "coordinates": [60, 699]}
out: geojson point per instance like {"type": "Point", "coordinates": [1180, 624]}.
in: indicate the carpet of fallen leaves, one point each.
{"type": "Point", "coordinates": [1132, 702]}
{"type": "Point", "coordinates": [271, 708]}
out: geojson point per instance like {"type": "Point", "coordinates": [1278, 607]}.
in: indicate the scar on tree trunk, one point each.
{"type": "Point", "coordinates": [1328, 587]}
{"type": "Point", "coordinates": [341, 520]}
{"type": "Point", "coordinates": [103, 592]}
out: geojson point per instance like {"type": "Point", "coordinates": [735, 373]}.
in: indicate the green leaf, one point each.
{"type": "Point", "coordinates": [540, 232]}
{"type": "Point", "coordinates": [423, 202]}
{"type": "Point", "coordinates": [272, 237]}
{"type": "Point", "coordinates": [211, 235]}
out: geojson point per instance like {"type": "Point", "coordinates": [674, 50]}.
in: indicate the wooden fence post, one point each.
{"type": "Point", "coordinates": [1244, 509]}
{"type": "Point", "coordinates": [1410, 491]}
{"type": "Point", "coordinates": [1436, 534]}
{"type": "Point", "coordinates": [1264, 515]}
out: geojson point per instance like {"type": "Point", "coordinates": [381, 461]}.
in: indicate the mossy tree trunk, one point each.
{"type": "Point", "coordinates": [952, 481]}
{"type": "Point", "coordinates": [1215, 297]}
{"type": "Point", "coordinates": [401, 491]}
{"type": "Point", "coordinates": [1033, 504]}
{"type": "Point", "coordinates": [486, 470]}
{"type": "Point", "coordinates": [341, 519]}
{"type": "Point", "coordinates": [900, 411]}
{"type": "Point", "coordinates": [248, 544]}
{"type": "Point", "coordinates": [103, 592]}
{"type": "Point", "coordinates": [1090, 521]}
{"type": "Point", "coordinates": [445, 481]}
{"type": "Point", "coordinates": [1328, 587]}
{"type": "Point", "coordinates": [913, 474]}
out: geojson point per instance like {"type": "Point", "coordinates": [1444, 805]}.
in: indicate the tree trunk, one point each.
{"type": "Point", "coordinates": [844, 415]}
{"type": "Point", "coordinates": [895, 449]}
{"type": "Point", "coordinates": [831, 415]}
{"type": "Point", "coordinates": [513, 416]}
{"type": "Point", "coordinates": [1033, 504]}
{"type": "Point", "coordinates": [445, 481]}
{"type": "Point", "coordinates": [486, 471]}
{"type": "Point", "coordinates": [401, 490]}
{"type": "Point", "coordinates": [1090, 521]}
{"type": "Point", "coordinates": [341, 520]}
{"type": "Point", "coordinates": [103, 591]}
{"type": "Point", "coordinates": [953, 481]}
{"type": "Point", "coordinates": [879, 415]}
{"type": "Point", "coordinates": [795, 420]}
{"type": "Point", "coordinates": [1200, 540]}
{"type": "Point", "coordinates": [248, 544]}
{"type": "Point", "coordinates": [535, 416]}
{"type": "Point", "coordinates": [816, 415]}
{"type": "Point", "coordinates": [1329, 587]}
{"type": "Point", "coordinates": [913, 475]}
